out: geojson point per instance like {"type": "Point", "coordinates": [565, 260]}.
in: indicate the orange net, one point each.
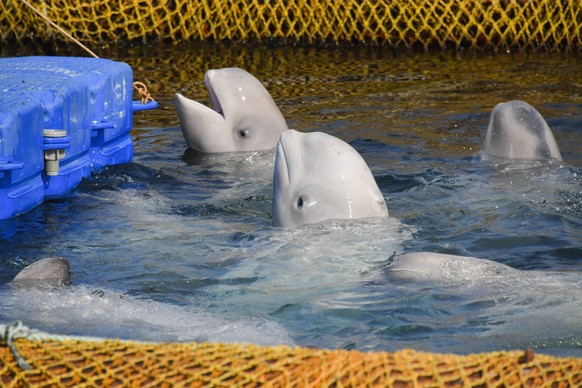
{"type": "Point", "coordinates": [118, 363]}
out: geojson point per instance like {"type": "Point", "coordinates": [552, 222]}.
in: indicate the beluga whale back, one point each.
{"type": "Point", "coordinates": [518, 131]}
{"type": "Point", "coordinates": [243, 116]}
{"type": "Point", "coordinates": [318, 177]}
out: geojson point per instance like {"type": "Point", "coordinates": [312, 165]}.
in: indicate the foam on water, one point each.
{"type": "Point", "coordinates": [83, 310]}
{"type": "Point", "coordinates": [305, 264]}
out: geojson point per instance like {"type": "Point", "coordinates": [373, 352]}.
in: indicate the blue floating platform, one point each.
{"type": "Point", "coordinates": [61, 118]}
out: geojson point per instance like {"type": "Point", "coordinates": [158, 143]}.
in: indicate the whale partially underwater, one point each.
{"type": "Point", "coordinates": [243, 116]}
{"type": "Point", "coordinates": [430, 266]}
{"type": "Point", "coordinates": [318, 177]}
{"type": "Point", "coordinates": [518, 131]}
{"type": "Point", "coordinates": [50, 272]}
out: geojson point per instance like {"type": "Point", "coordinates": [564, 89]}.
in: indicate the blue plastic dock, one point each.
{"type": "Point", "coordinates": [61, 118]}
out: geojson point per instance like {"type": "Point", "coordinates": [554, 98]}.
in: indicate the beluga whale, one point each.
{"type": "Point", "coordinates": [318, 177]}
{"type": "Point", "coordinates": [50, 272]}
{"type": "Point", "coordinates": [518, 131]}
{"type": "Point", "coordinates": [420, 266]}
{"type": "Point", "coordinates": [243, 116]}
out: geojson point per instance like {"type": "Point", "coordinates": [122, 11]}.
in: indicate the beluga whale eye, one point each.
{"type": "Point", "coordinates": [300, 202]}
{"type": "Point", "coordinates": [243, 133]}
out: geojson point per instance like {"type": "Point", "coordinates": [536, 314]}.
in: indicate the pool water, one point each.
{"type": "Point", "coordinates": [178, 246]}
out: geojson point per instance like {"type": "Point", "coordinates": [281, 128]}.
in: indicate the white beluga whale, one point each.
{"type": "Point", "coordinates": [418, 266]}
{"type": "Point", "coordinates": [518, 131]}
{"type": "Point", "coordinates": [46, 273]}
{"type": "Point", "coordinates": [318, 177]}
{"type": "Point", "coordinates": [243, 117]}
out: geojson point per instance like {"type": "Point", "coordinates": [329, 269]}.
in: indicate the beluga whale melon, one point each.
{"type": "Point", "coordinates": [518, 131]}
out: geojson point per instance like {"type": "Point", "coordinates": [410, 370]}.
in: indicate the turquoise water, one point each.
{"type": "Point", "coordinates": [179, 246]}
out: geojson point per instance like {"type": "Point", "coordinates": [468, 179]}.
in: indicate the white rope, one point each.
{"type": "Point", "coordinates": [17, 330]}
{"type": "Point", "coordinates": [14, 331]}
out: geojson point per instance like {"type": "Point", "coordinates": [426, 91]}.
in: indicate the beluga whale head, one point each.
{"type": "Point", "coordinates": [518, 131]}
{"type": "Point", "coordinates": [243, 116]}
{"type": "Point", "coordinates": [51, 272]}
{"type": "Point", "coordinates": [318, 177]}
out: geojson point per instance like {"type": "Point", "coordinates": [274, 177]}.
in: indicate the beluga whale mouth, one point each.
{"type": "Point", "coordinates": [242, 116]}
{"type": "Point", "coordinates": [318, 177]}
{"type": "Point", "coordinates": [214, 101]}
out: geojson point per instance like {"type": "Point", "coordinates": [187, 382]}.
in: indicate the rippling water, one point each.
{"type": "Point", "coordinates": [179, 246]}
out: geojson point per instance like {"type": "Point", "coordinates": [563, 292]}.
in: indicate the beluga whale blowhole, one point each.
{"type": "Point", "coordinates": [318, 177]}
{"type": "Point", "coordinates": [243, 116]}
{"type": "Point", "coordinates": [518, 131]}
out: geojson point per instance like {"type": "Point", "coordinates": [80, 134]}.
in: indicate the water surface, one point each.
{"type": "Point", "coordinates": [179, 246]}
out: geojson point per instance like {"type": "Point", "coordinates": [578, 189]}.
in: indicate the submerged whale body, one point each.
{"type": "Point", "coordinates": [518, 131]}
{"type": "Point", "coordinates": [46, 273]}
{"type": "Point", "coordinates": [318, 177]}
{"type": "Point", "coordinates": [243, 116]}
{"type": "Point", "coordinates": [432, 266]}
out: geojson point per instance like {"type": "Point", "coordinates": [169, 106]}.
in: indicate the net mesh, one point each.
{"type": "Point", "coordinates": [112, 362]}
{"type": "Point", "coordinates": [498, 24]}
{"type": "Point", "coordinates": [524, 24]}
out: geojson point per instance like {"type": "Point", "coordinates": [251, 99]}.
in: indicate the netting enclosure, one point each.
{"type": "Point", "coordinates": [513, 24]}
{"type": "Point", "coordinates": [118, 363]}
{"type": "Point", "coordinates": [498, 24]}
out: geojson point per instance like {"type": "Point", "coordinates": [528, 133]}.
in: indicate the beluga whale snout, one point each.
{"type": "Point", "coordinates": [318, 177]}
{"type": "Point", "coordinates": [518, 131]}
{"type": "Point", "coordinates": [243, 116]}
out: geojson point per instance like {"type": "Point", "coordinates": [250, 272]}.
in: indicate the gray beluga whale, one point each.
{"type": "Point", "coordinates": [418, 266]}
{"type": "Point", "coordinates": [318, 177]}
{"type": "Point", "coordinates": [49, 272]}
{"type": "Point", "coordinates": [518, 131]}
{"type": "Point", "coordinates": [243, 116]}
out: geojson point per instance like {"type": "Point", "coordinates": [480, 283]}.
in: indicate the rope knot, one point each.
{"type": "Point", "coordinates": [142, 90]}
{"type": "Point", "coordinates": [13, 331]}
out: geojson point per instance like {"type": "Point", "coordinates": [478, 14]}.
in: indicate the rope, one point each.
{"type": "Point", "coordinates": [139, 86]}
{"type": "Point", "coordinates": [13, 331]}
{"type": "Point", "coordinates": [59, 28]}
{"type": "Point", "coordinates": [143, 92]}
{"type": "Point", "coordinates": [18, 330]}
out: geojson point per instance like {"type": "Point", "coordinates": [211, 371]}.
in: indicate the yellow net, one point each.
{"type": "Point", "coordinates": [118, 363]}
{"type": "Point", "coordinates": [499, 24]}
{"type": "Point", "coordinates": [496, 24]}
